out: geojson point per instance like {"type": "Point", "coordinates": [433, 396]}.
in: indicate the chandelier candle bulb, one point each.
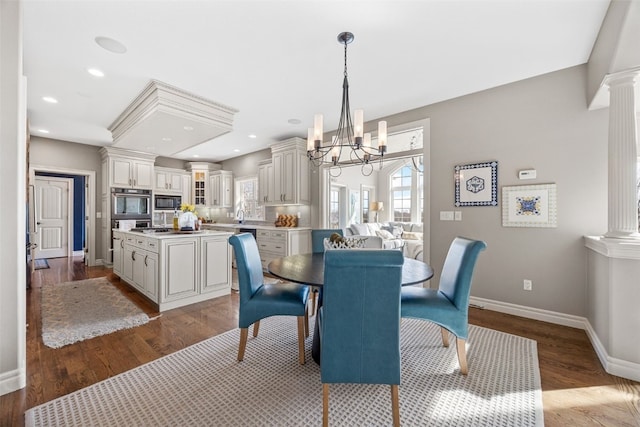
{"type": "Point", "coordinates": [317, 127]}
{"type": "Point", "coordinates": [310, 140]}
{"type": "Point", "coordinates": [358, 125]}
{"type": "Point", "coordinates": [382, 136]}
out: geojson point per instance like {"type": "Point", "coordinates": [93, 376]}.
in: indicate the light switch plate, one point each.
{"type": "Point", "coordinates": [446, 215]}
{"type": "Point", "coordinates": [457, 215]}
{"type": "Point", "coordinates": [527, 174]}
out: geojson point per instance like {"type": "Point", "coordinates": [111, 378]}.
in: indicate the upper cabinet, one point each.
{"type": "Point", "coordinates": [290, 173]}
{"type": "Point", "coordinates": [222, 189]}
{"type": "Point", "coordinates": [265, 182]}
{"type": "Point", "coordinates": [168, 181]}
{"type": "Point", "coordinates": [127, 169]}
{"type": "Point", "coordinates": [201, 183]}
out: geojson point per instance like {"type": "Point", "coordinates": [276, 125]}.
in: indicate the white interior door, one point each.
{"type": "Point", "coordinates": [53, 216]}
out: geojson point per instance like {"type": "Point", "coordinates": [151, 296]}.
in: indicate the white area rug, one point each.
{"type": "Point", "coordinates": [76, 311]}
{"type": "Point", "coordinates": [204, 385]}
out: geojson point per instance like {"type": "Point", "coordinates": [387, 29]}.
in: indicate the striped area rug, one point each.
{"type": "Point", "coordinates": [204, 385]}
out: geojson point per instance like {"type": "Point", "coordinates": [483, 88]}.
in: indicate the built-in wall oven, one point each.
{"type": "Point", "coordinates": [130, 203]}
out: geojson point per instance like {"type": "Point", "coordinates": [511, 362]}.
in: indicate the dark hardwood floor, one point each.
{"type": "Point", "coordinates": [576, 389]}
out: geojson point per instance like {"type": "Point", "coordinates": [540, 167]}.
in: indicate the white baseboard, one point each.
{"type": "Point", "coordinates": [12, 380]}
{"type": "Point", "coordinates": [531, 313]}
{"type": "Point", "coordinates": [612, 365]}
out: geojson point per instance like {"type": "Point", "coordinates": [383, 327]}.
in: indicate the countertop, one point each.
{"type": "Point", "coordinates": [252, 226]}
{"type": "Point", "coordinates": [174, 234]}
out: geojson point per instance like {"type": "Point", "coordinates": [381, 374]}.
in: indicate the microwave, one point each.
{"type": "Point", "coordinates": [163, 202]}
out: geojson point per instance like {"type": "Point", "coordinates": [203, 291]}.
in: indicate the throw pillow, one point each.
{"type": "Point", "coordinates": [344, 243]}
{"type": "Point", "coordinates": [360, 230]}
{"type": "Point", "coordinates": [385, 234]}
{"type": "Point", "coordinates": [410, 235]}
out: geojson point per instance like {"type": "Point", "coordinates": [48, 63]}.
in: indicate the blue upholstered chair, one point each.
{"type": "Point", "coordinates": [448, 306]}
{"type": "Point", "coordinates": [360, 321]}
{"type": "Point", "coordinates": [259, 300]}
{"type": "Point", "coordinates": [317, 246]}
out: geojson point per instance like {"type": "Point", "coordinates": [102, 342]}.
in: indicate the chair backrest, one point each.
{"type": "Point", "coordinates": [318, 236]}
{"type": "Point", "coordinates": [250, 276]}
{"type": "Point", "coordinates": [360, 337]}
{"type": "Point", "coordinates": [457, 271]}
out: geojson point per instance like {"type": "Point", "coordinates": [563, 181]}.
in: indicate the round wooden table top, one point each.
{"type": "Point", "coordinates": [309, 269]}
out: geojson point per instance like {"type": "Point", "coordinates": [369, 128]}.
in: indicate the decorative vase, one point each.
{"type": "Point", "coordinates": [187, 221]}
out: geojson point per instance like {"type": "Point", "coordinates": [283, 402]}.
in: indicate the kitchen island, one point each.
{"type": "Point", "coordinates": [174, 269]}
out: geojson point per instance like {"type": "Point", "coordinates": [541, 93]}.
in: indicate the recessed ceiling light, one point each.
{"type": "Point", "coordinates": [43, 131]}
{"type": "Point", "coordinates": [50, 99]}
{"type": "Point", "coordinates": [236, 150]}
{"type": "Point", "coordinates": [294, 121]}
{"type": "Point", "coordinates": [166, 139]}
{"type": "Point", "coordinates": [95, 72]}
{"type": "Point", "coordinates": [253, 136]}
{"type": "Point", "coordinates": [188, 128]}
{"type": "Point", "coordinates": [110, 44]}
{"type": "Point", "coordinates": [196, 155]}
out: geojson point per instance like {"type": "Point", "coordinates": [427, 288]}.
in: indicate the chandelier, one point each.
{"type": "Point", "coordinates": [349, 135]}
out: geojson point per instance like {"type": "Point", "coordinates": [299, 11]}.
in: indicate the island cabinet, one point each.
{"type": "Point", "coordinates": [173, 269]}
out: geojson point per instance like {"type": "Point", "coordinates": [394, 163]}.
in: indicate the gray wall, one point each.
{"type": "Point", "coordinates": [68, 155]}
{"type": "Point", "coordinates": [540, 123]}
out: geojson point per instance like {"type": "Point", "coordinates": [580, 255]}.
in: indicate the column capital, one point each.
{"type": "Point", "coordinates": [629, 76]}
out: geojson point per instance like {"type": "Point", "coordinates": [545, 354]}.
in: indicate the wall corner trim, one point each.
{"type": "Point", "coordinates": [11, 381]}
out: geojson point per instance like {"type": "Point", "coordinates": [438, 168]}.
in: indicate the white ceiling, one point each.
{"type": "Point", "coordinates": [280, 60]}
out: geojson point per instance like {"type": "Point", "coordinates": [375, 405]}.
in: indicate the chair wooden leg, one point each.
{"type": "Point", "coordinates": [462, 356]}
{"type": "Point", "coordinates": [445, 336]}
{"type": "Point", "coordinates": [325, 405]}
{"type": "Point", "coordinates": [244, 332]}
{"type": "Point", "coordinates": [314, 296]}
{"type": "Point", "coordinates": [256, 328]}
{"type": "Point", "coordinates": [306, 324]}
{"type": "Point", "coordinates": [395, 405]}
{"type": "Point", "coordinates": [301, 339]}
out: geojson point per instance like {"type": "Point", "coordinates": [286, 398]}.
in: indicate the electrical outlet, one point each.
{"type": "Point", "coordinates": [527, 284]}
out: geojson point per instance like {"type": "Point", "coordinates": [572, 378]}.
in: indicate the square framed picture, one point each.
{"type": "Point", "coordinates": [476, 184]}
{"type": "Point", "coordinates": [530, 206]}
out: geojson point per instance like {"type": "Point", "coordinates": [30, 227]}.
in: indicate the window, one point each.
{"type": "Point", "coordinates": [247, 198]}
{"type": "Point", "coordinates": [401, 194]}
{"type": "Point", "coordinates": [334, 208]}
{"type": "Point", "coordinates": [407, 192]}
{"type": "Point", "coordinates": [366, 199]}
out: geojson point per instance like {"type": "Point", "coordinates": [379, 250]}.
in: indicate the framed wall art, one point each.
{"type": "Point", "coordinates": [529, 206]}
{"type": "Point", "coordinates": [476, 184]}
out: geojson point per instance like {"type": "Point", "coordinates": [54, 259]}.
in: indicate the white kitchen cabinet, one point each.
{"type": "Point", "coordinates": [186, 189]}
{"type": "Point", "coordinates": [129, 173]}
{"type": "Point", "coordinates": [221, 189]}
{"type": "Point", "coordinates": [284, 242]}
{"type": "Point", "coordinates": [168, 181]}
{"type": "Point", "coordinates": [139, 263]}
{"type": "Point", "coordinates": [118, 252]}
{"type": "Point", "coordinates": [180, 263]}
{"type": "Point", "coordinates": [290, 173]}
{"type": "Point", "coordinates": [265, 182]}
{"type": "Point", "coordinates": [200, 182]}
{"type": "Point", "coordinates": [174, 270]}
{"type": "Point", "coordinates": [214, 276]}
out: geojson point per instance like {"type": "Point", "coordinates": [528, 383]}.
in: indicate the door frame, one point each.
{"type": "Point", "coordinates": [70, 212]}
{"type": "Point", "coordinates": [90, 183]}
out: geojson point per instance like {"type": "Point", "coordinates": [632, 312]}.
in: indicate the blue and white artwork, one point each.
{"type": "Point", "coordinates": [476, 184]}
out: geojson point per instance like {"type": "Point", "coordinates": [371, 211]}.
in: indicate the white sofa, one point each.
{"type": "Point", "coordinates": [406, 236]}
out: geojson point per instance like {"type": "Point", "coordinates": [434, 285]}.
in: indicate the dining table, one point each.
{"type": "Point", "coordinates": [308, 269]}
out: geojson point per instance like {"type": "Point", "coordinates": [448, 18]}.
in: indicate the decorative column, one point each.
{"type": "Point", "coordinates": [623, 158]}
